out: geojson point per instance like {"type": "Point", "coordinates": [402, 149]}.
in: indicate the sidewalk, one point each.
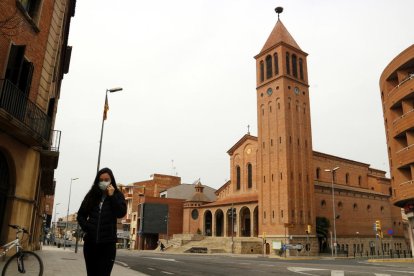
{"type": "Point", "coordinates": [57, 261]}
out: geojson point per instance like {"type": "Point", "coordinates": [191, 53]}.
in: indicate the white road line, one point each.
{"type": "Point", "coordinates": [122, 263]}
{"type": "Point", "coordinates": [301, 270]}
{"type": "Point", "coordinates": [377, 274]}
{"type": "Point", "coordinates": [150, 268]}
{"type": "Point", "coordinates": [337, 273]}
{"type": "Point", "coordinates": [161, 259]}
{"type": "Point", "coordinates": [166, 272]}
{"type": "Point", "coordinates": [400, 271]}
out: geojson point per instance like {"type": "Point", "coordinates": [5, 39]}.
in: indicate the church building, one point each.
{"type": "Point", "coordinates": [282, 193]}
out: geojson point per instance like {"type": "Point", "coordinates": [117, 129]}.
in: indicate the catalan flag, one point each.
{"type": "Point", "coordinates": [106, 108]}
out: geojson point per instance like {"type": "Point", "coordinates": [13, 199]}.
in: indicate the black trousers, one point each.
{"type": "Point", "coordinates": [99, 258]}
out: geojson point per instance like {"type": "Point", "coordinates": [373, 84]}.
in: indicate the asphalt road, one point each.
{"type": "Point", "coordinates": [156, 263]}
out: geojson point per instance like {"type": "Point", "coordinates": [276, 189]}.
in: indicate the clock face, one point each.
{"type": "Point", "coordinates": [269, 91]}
{"type": "Point", "coordinates": [296, 90]}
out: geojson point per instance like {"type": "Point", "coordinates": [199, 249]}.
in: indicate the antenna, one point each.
{"type": "Point", "coordinates": [248, 129]}
{"type": "Point", "coordinates": [278, 10]}
{"type": "Point", "coordinates": [173, 172]}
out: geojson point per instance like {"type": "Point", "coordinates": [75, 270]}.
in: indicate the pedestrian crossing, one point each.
{"type": "Point", "coordinates": [323, 271]}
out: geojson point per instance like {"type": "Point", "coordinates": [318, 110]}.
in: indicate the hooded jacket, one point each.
{"type": "Point", "coordinates": [99, 223]}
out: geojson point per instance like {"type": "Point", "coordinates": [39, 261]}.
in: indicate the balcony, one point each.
{"type": "Point", "coordinates": [403, 90]}
{"type": "Point", "coordinates": [405, 193]}
{"type": "Point", "coordinates": [405, 156]}
{"type": "Point", "coordinates": [21, 117]}
{"type": "Point", "coordinates": [403, 123]}
{"type": "Point", "coordinates": [49, 159]}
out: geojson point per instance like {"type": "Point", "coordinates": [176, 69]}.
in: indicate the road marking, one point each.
{"type": "Point", "coordinates": [122, 263]}
{"type": "Point", "coordinates": [162, 259]}
{"type": "Point", "coordinates": [166, 272]}
{"type": "Point", "coordinates": [376, 274]}
{"type": "Point", "coordinates": [301, 270]}
{"type": "Point", "coordinates": [400, 271]}
{"type": "Point", "coordinates": [337, 273]}
{"type": "Point", "coordinates": [150, 268]}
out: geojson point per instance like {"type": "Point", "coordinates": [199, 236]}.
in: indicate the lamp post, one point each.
{"type": "Point", "coordinates": [112, 90]}
{"type": "Point", "coordinates": [67, 213]}
{"type": "Point", "coordinates": [54, 227]}
{"type": "Point", "coordinates": [332, 171]}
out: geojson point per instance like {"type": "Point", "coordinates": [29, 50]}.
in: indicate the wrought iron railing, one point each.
{"type": "Point", "coordinates": [17, 104]}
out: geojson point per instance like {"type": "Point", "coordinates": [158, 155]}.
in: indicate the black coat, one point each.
{"type": "Point", "coordinates": [100, 225]}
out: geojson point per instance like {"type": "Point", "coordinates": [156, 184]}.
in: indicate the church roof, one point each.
{"type": "Point", "coordinates": [240, 142]}
{"type": "Point", "coordinates": [278, 35]}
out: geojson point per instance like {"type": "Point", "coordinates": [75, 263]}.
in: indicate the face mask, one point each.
{"type": "Point", "coordinates": [104, 184]}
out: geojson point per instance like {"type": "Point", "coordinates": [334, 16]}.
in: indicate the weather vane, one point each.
{"type": "Point", "coordinates": [278, 10]}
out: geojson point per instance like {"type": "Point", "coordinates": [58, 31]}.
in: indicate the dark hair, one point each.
{"type": "Point", "coordinates": [94, 195]}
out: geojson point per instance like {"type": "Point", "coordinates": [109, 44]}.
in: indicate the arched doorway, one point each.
{"type": "Point", "coordinates": [4, 190]}
{"type": "Point", "coordinates": [208, 218]}
{"type": "Point", "coordinates": [245, 222]}
{"type": "Point", "coordinates": [219, 223]}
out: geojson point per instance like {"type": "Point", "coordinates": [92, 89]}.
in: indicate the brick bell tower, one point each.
{"type": "Point", "coordinates": [285, 174]}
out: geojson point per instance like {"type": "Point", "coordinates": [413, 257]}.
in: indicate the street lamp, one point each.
{"type": "Point", "coordinates": [332, 171]}
{"type": "Point", "coordinates": [67, 213]}
{"type": "Point", "coordinates": [112, 90]}
{"type": "Point", "coordinates": [54, 228]}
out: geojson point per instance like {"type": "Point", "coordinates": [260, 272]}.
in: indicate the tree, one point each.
{"type": "Point", "coordinates": [322, 229]}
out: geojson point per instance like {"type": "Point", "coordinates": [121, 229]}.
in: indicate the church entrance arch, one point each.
{"type": "Point", "coordinates": [219, 218]}
{"type": "Point", "coordinates": [245, 222]}
{"type": "Point", "coordinates": [208, 219]}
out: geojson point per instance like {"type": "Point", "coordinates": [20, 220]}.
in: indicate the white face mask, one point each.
{"type": "Point", "coordinates": [104, 184]}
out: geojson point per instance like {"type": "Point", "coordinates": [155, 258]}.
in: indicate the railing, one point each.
{"type": "Point", "coordinates": [17, 104]}
{"type": "Point", "coordinates": [55, 140]}
{"type": "Point", "coordinates": [410, 76]}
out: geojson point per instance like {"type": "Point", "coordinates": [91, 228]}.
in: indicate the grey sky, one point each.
{"type": "Point", "coordinates": [188, 74]}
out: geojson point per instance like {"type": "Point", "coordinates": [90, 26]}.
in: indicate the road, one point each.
{"type": "Point", "coordinates": [155, 263]}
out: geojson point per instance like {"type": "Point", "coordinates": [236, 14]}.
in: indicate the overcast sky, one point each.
{"type": "Point", "coordinates": [189, 83]}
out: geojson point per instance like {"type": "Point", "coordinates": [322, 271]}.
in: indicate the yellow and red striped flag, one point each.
{"type": "Point", "coordinates": [106, 108]}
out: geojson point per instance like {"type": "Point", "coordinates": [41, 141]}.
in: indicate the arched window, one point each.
{"type": "Point", "coordinates": [261, 71]}
{"type": "Point", "coordinates": [287, 63]}
{"type": "Point", "coordinates": [269, 71]}
{"type": "Point", "coordinates": [276, 62]}
{"type": "Point", "coordinates": [238, 177]}
{"type": "Point", "coordinates": [249, 176]}
{"type": "Point", "coordinates": [294, 66]}
{"type": "Point", "coordinates": [301, 69]}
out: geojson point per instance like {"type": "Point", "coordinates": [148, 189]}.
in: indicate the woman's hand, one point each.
{"type": "Point", "coordinates": [110, 190]}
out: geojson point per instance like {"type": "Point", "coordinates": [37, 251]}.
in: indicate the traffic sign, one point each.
{"type": "Point", "coordinates": [390, 232]}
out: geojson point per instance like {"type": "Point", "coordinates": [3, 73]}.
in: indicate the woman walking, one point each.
{"type": "Point", "coordinates": [97, 217]}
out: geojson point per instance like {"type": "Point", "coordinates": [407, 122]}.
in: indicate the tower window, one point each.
{"type": "Point", "coordinates": [269, 71]}
{"type": "Point", "coordinates": [238, 177]}
{"type": "Point", "coordinates": [347, 178]}
{"type": "Point", "coordinates": [249, 176]}
{"type": "Point", "coordinates": [271, 142]}
{"type": "Point", "coordinates": [359, 180]}
{"type": "Point", "coordinates": [301, 69]}
{"type": "Point", "coordinates": [294, 66]}
{"type": "Point", "coordinates": [276, 61]}
{"type": "Point", "coordinates": [288, 63]}
{"type": "Point", "coordinates": [281, 213]}
{"type": "Point", "coordinates": [261, 71]}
